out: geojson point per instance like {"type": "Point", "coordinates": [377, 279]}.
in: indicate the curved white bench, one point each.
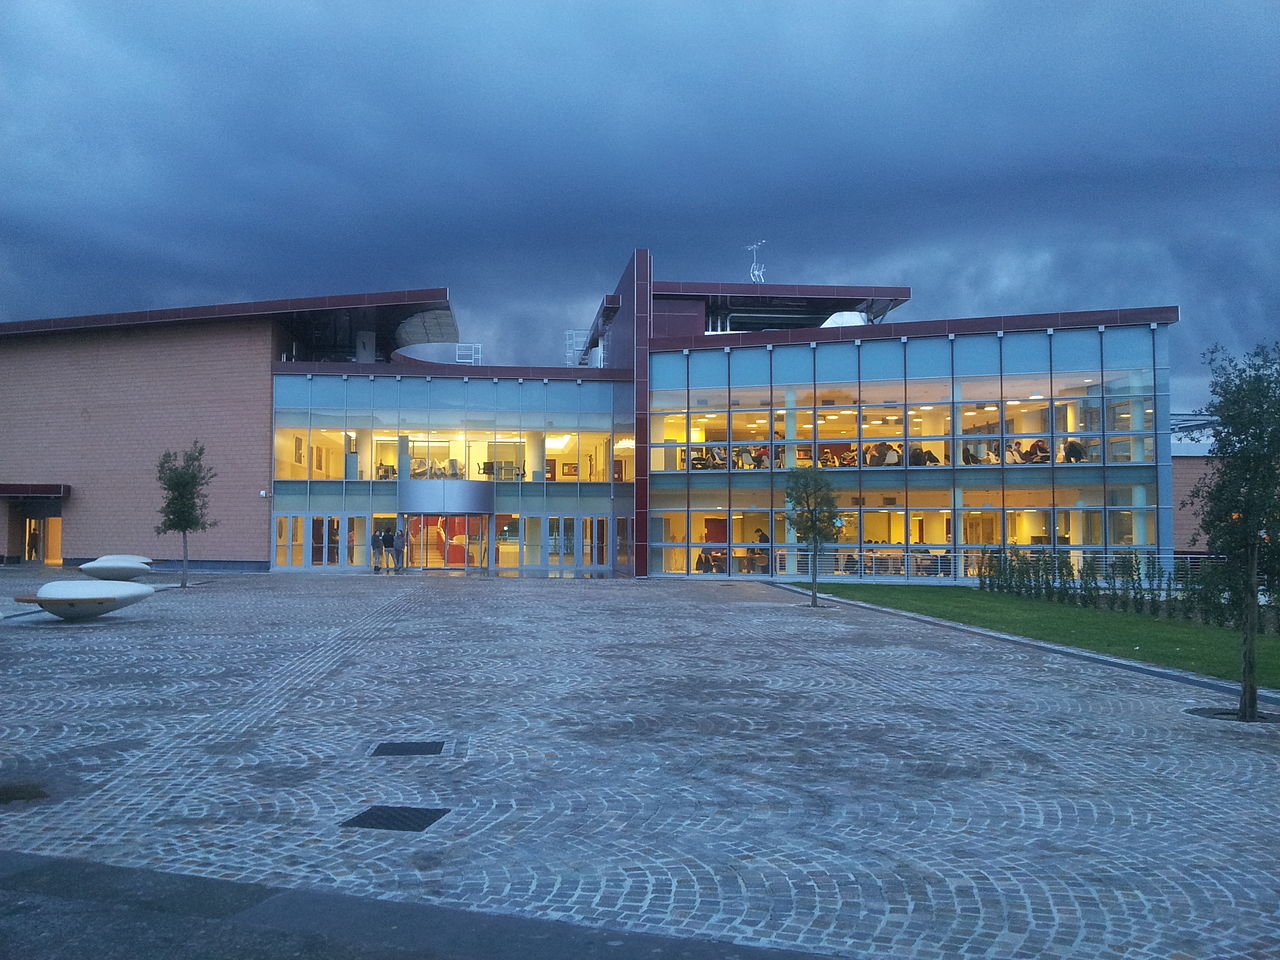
{"type": "Point", "coordinates": [117, 566]}
{"type": "Point", "coordinates": [82, 599]}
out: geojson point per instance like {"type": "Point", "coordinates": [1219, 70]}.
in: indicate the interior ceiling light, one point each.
{"type": "Point", "coordinates": [926, 408]}
{"type": "Point", "coordinates": [1036, 396]}
{"type": "Point", "coordinates": [846, 411]}
{"type": "Point", "coordinates": [1014, 403]}
{"type": "Point", "coordinates": [990, 408]}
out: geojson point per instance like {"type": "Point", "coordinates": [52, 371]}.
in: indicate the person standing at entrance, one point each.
{"type": "Point", "coordinates": [375, 550]}
{"type": "Point", "coordinates": [388, 550]}
{"type": "Point", "coordinates": [33, 543]}
{"type": "Point", "coordinates": [397, 545]}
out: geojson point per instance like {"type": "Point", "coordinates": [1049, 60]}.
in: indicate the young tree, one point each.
{"type": "Point", "coordinates": [185, 480]}
{"type": "Point", "coordinates": [812, 515]}
{"type": "Point", "coordinates": [1238, 498]}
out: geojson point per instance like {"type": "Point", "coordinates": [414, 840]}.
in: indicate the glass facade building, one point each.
{"type": "Point", "coordinates": [479, 473]}
{"type": "Point", "coordinates": [663, 453]}
{"type": "Point", "coordinates": [938, 448]}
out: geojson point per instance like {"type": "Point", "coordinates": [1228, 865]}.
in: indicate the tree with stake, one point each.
{"type": "Point", "coordinates": [1239, 496]}
{"type": "Point", "coordinates": [812, 516]}
{"type": "Point", "coordinates": [185, 480]}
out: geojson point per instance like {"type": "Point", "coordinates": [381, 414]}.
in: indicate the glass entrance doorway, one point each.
{"type": "Point", "coordinates": [42, 540]}
{"type": "Point", "coordinates": [447, 541]}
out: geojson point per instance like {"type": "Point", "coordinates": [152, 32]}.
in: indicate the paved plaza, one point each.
{"type": "Point", "coordinates": [702, 760]}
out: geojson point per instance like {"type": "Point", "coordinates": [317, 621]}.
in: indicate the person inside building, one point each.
{"type": "Point", "coordinates": [758, 557]}
{"type": "Point", "coordinates": [1038, 452]}
{"type": "Point", "coordinates": [827, 459]}
{"type": "Point", "coordinates": [849, 458]}
{"type": "Point", "coordinates": [710, 559]}
{"type": "Point", "coordinates": [1073, 451]}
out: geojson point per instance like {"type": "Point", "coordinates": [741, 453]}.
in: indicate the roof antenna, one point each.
{"type": "Point", "coordinates": [757, 268]}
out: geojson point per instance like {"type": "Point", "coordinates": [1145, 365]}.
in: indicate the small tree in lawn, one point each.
{"type": "Point", "coordinates": [185, 480]}
{"type": "Point", "coordinates": [813, 516]}
{"type": "Point", "coordinates": [1239, 496]}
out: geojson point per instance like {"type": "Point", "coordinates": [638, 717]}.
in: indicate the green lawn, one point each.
{"type": "Point", "coordinates": [1212, 651]}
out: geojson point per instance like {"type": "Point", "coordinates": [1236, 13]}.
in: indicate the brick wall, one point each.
{"type": "Point", "coordinates": [1186, 521]}
{"type": "Point", "coordinates": [96, 408]}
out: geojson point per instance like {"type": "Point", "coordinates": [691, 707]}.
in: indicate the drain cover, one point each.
{"type": "Point", "coordinates": [409, 748]}
{"type": "Point", "coordinates": [415, 819]}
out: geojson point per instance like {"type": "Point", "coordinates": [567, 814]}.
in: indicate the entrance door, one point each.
{"type": "Point", "coordinates": [448, 541]}
{"type": "Point", "coordinates": [42, 540]}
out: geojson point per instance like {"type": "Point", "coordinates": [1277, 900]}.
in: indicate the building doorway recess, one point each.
{"type": "Point", "coordinates": [454, 542]}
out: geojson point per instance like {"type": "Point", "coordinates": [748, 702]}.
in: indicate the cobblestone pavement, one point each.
{"type": "Point", "coordinates": [698, 759]}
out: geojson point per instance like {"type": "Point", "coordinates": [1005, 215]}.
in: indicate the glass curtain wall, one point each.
{"type": "Point", "coordinates": [940, 448]}
{"type": "Point", "coordinates": [553, 447]}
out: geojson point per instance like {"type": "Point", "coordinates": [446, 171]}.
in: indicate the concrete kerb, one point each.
{"type": "Point", "coordinates": [1164, 673]}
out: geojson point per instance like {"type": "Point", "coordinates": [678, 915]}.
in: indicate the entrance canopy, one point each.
{"type": "Point", "coordinates": [35, 500]}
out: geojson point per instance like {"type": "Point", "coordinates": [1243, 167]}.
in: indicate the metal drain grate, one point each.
{"type": "Point", "coordinates": [409, 748]}
{"type": "Point", "coordinates": [415, 819]}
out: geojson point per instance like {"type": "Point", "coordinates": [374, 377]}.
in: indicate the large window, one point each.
{"type": "Point", "coordinates": [940, 447]}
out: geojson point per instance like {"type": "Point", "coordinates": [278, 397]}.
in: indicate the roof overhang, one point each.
{"type": "Point", "coordinates": [33, 491]}
{"type": "Point", "coordinates": [386, 310]}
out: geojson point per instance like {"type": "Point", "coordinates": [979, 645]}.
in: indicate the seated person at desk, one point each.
{"type": "Point", "coordinates": [710, 560]}
{"type": "Point", "coordinates": [849, 458]}
{"type": "Point", "coordinates": [968, 457]}
{"type": "Point", "coordinates": [716, 460]}
{"type": "Point", "coordinates": [385, 471]}
{"type": "Point", "coordinates": [1073, 451]}
{"type": "Point", "coordinates": [989, 457]}
{"type": "Point", "coordinates": [827, 459]}
{"type": "Point", "coordinates": [760, 456]}
{"type": "Point", "coordinates": [1038, 452]}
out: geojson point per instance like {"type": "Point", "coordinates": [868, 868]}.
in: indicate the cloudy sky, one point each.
{"type": "Point", "coordinates": [1009, 156]}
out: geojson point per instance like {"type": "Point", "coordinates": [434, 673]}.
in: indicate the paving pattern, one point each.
{"type": "Point", "coordinates": [697, 759]}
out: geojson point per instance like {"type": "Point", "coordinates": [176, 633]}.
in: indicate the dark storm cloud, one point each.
{"type": "Point", "coordinates": [997, 157]}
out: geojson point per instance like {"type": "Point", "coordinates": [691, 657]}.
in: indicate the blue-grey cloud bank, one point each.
{"type": "Point", "coordinates": [997, 157]}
